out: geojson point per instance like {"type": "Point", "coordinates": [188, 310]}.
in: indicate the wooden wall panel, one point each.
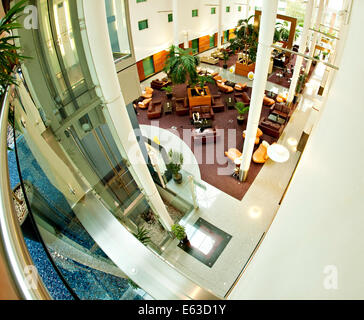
{"type": "Point", "coordinates": [231, 34]}
{"type": "Point", "coordinates": [204, 44]}
{"type": "Point", "coordinates": [159, 60]}
{"type": "Point", "coordinates": [140, 68]}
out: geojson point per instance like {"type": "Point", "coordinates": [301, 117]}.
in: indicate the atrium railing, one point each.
{"type": "Point", "coordinates": [14, 253]}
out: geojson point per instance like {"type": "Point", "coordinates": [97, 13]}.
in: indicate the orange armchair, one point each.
{"type": "Point", "coordinates": [241, 86]}
{"type": "Point", "coordinates": [145, 103]}
{"type": "Point", "coordinates": [260, 155]}
{"type": "Point", "coordinates": [224, 88]}
{"type": "Point", "coordinates": [268, 101]}
{"type": "Point", "coordinates": [259, 134]}
{"type": "Point", "coordinates": [233, 153]}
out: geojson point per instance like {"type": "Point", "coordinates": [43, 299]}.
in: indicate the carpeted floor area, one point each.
{"type": "Point", "coordinates": [212, 165]}
{"type": "Point", "coordinates": [285, 80]}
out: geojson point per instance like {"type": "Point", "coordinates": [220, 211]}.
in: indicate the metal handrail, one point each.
{"type": "Point", "coordinates": [14, 254]}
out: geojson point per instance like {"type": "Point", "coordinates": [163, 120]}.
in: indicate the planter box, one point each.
{"type": "Point", "coordinates": [243, 69]}
{"type": "Point", "coordinates": [199, 100]}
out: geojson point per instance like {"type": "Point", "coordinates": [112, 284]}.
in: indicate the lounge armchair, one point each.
{"type": "Point", "coordinates": [144, 104]}
{"type": "Point", "coordinates": [241, 86]}
{"type": "Point", "coordinates": [242, 97]}
{"type": "Point", "coordinates": [155, 109]}
{"type": "Point", "coordinates": [205, 112]}
{"type": "Point", "coordinates": [282, 110]}
{"type": "Point", "coordinates": [224, 88]}
{"type": "Point", "coordinates": [260, 155]}
{"type": "Point", "coordinates": [268, 101]}
{"type": "Point", "coordinates": [259, 134]}
{"type": "Point", "coordinates": [181, 106]}
{"type": "Point", "coordinates": [232, 154]}
{"type": "Point", "coordinates": [217, 103]}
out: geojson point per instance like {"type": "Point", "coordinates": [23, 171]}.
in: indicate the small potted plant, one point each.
{"type": "Point", "coordinates": [180, 233]}
{"type": "Point", "coordinates": [175, 165]}
{"type": "Point", "coordinates": [168, 91]}
{"type": "Point", "coordinates": [226, 58]}
{"type": "Point", "coordinates": [242, 110]}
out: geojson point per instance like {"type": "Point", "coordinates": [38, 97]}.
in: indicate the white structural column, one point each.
{"type": "Point", "coordinates": [102, 68]}
{"type": "Point", "coordinates": [302, 49]}
{"type": "Point", "coordinates": [175, 23]}
{"type": "Point", "coordinates": [246, 11]}
{"type": "Point", "coordinates": [266, 31]}
{"type": "Point", "coordinates": [219, 24]}
{"type": "Point", "coordinates": [320, 12]}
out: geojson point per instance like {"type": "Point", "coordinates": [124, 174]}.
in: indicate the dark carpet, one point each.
{"type": "Point", "coordinates": [211, 166]}
{"type": "Point", "coordinates": [285, 80]}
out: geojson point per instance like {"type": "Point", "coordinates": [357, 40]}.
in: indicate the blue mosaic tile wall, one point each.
{"type": "Point", "coordinates": [88, 283]}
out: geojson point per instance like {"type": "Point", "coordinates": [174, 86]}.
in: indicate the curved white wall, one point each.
{"type": "Point", "coordinates": [321, 220]}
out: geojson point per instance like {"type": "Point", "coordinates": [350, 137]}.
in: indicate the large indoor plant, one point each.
{"type": "Point", "coordinates": [180, 233]}
{"type": "Point", "coordinates": [181, 65]}
{"type": "Point", "coordinates": [175, 165]}
{"type": "Point", "coordinates": [10, 55]}
{"type": "Point", "coordinates": [200, 84]}
{"type": "Point", "coordinates": [242, 110]}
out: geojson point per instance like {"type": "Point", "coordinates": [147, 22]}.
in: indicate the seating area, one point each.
{"type": "Point", "coordinates": [204, 119]}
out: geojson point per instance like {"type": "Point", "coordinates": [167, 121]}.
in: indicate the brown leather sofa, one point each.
{"type": "Point", "coordinates": [205, 112]}
{"type": "Point", "coordinates": [282, 110]}
{"type": "Point", "coordinates": [217, 103]}
{"type": "Point", "coordinates": [155, 109]}
{"type": "Point", "coordinates": [181, 106]}
{"type": "Point", "coordinates": [271, 128]}
{"type": "Point", "coordinates": [242, 97]}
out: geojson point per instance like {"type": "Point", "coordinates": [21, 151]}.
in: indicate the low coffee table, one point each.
{"type": "Point", "coordinates": [206, 123]}
{"type": "Point", "coordinates": [167, 107]}
{"type": "Point", "coordinates": [230, 102]}
{"type": "Point", "coordinates": [206, 135]}
{"type": "Point", "coordinates": [276, 118]}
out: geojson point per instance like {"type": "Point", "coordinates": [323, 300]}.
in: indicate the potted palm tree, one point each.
{"type": "Point", "coordinates": [200, 85]}
{"type": "Point", "coordinates": [175, 165]}
{"type": "Point", "coordinates": [242, 110]}
{"type": "Point", "coordinates": [180, 233]}
{"type": "Point", "coordinates": [9, 56]}
{"type": "Point", "coordinates": [225, 57]}
{"type": "Point", "coordinates": [168, 91]}
{"type": "Point", "coordinates": [181, 65]}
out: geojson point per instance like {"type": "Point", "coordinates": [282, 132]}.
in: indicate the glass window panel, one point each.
{"type": "Point", "coordinates": [213, 10]}
{"type": "Point", "coordinates": [195, 13]}
{"type": "Point", "coordinates": [118, 30]}
{"type": "Point", "coordinates": [227, 9]}
{"type": "Point", "coordinates": [170, 17]}
{"type": "Point", "coordinates": [143, 24]}
{"type": "Point", "coordinates": [148, 66]}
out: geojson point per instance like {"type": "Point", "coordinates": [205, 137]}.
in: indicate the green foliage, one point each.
{"type": "Point", "coordinates": [133, 284]}
{"type": "Point", "coordinates": [202, 80]}
{"type": "Point", "coordinates": [168, 89]}
{"type": "Point", "coordinates": [181, 65]}
{"type": "Point", "coordinates": [9, 51]}
{"type": "Point", "coordinates": [179, 231]}
{"type": "Point", "coordinates": [142, 235]}
{"type": "Point", "coordinates": [175, 161]}
{"type": "Point", "coordinates": [246, 38]}
{"type": "Point", "coordinates": [300, 83]}
{"type": "Point", "coordinates": [241, 108]}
